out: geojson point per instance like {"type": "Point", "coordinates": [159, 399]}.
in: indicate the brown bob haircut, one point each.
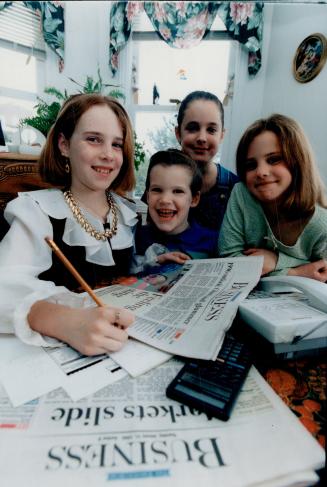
{"type": "Point", "coordinates": [306, 189]}
{"type": "Point", "coordinates": [175, 157]}
{"type": "Point", "coordinates": [52, 163]}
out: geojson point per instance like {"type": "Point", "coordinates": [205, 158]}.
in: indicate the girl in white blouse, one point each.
{"type": "Point", "coordinates": [88, 153]}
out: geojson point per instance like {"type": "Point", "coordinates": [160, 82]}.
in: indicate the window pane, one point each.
{"type": "Point", "coordinates": [20, 72]}
{"type": "Point", "coordinates": [176, 72]}
{"type": "Point", "coordinates": [19, 84]}
{"type": "Point", "coordinates": [156, 131]}
{"type": "Point", "coordinates": [13, 109]}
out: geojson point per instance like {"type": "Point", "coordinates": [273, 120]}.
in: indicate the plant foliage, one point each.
{"type": "Point", "coordinates": [46, 112]}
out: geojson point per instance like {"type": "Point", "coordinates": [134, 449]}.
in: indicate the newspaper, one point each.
{"type": "Point", "coordinates": [191, 320]}
{"type": "Point", "coordinates": [28, 372]}
{"type": "Point", "coordinates": [192, 317]}
{"type": "Point", "coordinates": [130, 432]}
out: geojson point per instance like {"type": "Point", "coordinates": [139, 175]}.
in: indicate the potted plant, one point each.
{"type": "Point", "coordinates": [46, 112]}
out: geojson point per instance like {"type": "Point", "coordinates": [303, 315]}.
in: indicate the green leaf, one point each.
{"type": "Point", "coordinates": [51, 90]}
{"type": "Point", "coordinates": [117, 94]}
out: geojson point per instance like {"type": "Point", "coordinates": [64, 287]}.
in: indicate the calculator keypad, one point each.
{"type": "Point", "coordinates": [213, 385]}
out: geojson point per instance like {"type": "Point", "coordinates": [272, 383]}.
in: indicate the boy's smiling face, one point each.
{"type": "Point", "coordinates": [169, 198]}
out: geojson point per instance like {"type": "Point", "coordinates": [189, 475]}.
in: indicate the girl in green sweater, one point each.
{"type": "Point", "coordinates": [279, 208]}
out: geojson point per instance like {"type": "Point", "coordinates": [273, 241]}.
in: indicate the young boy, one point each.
{"type": "Point", "coordinates": [172, 186]}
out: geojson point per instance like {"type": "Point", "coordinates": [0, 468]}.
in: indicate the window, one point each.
{"type": "Point", "coordinates": [22, 52]}
{"type": "Point", "coordinates": [21, 26]}
{"type": "Point", "coordinates": [162, 76]}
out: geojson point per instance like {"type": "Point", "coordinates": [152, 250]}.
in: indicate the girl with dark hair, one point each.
{"type": "Point", "coordinates": [200, 130]}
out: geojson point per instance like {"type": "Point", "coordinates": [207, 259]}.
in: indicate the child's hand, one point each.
{"type": "Point", "coordinates": [100, 330]}
{"type": "Point", "coordinates": [315, 270]}
{"type": "Point", "coordinates": [91, 331]}
{"type": "Point", "coordinates": [269, 259]}
{"type": "Point", "coordinates": [178, 257]}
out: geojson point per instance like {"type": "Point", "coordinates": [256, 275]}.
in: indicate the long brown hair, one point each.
{"type": "Point", "coordinates": [52, 163]}
{"type": "Point", "coordinates": [306, 189]}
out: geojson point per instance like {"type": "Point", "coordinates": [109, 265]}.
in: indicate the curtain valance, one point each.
{"type": "Point", "coordinates": [185, 24]}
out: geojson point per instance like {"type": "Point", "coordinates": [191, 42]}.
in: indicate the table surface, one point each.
{"type": "Point", "coordinates": [15, 156]}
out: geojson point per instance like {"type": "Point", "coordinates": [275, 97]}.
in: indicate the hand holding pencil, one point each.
{"type": "Point", "coordinates": [90, 330]}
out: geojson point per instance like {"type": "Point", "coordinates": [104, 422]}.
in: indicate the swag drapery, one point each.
{"type": "Point", "coordinates": [52, 23]}
{"type": "Point", "coordinates": [184, 24]}
{"type": "Point", "coordinates": [180, 24]}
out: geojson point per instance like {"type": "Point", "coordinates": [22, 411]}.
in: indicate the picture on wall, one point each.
{"type": "Point", "coordinates": [310, 57]}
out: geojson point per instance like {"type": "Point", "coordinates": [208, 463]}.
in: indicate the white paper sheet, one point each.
{"type": "Point", "coordinates": [137, 357]}
{"type": "Point", "coordinates": [26, 372]}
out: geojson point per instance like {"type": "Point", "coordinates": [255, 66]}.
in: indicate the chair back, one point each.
{"type": "Point", "coordinates": [17, 173]}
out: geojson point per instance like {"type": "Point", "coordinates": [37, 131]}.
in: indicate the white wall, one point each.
{"type": "Point", "coordinates": [86, 45]}
{"type": "Point", "coordinates": [275, 89]}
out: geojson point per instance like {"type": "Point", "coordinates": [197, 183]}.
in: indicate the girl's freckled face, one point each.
{"type": "Point", "coordinates": [95, 150]}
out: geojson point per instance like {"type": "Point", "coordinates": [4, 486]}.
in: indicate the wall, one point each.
{"type": "Point", "coordinates": [86, 45]}
{"type": "Point", "coordinates": [274, 89]}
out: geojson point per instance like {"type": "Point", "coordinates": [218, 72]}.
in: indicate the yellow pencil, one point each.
{"type": "Point", "coordinates": [73, 271]}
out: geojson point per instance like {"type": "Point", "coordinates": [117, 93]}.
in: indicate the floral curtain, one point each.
{"type": "Point", "coordinates": [244, 23]}
{"type": "Point", "coordinates": [181, 24]}
{"type": "Point", "coordinates": [121, 17]}
{"type": "Point", "coordinates": [53, 24]}
{"type": "Point", "coordinates": [184, 24]}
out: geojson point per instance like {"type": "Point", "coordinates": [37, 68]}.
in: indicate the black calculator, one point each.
{"type": "Point", "coordinates": [213, 386]}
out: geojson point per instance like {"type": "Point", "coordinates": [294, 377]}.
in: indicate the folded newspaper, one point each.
{"type": "Point", "coordinates": [192, 318]}
{"type": "Point", "coordinates": [130, 434]}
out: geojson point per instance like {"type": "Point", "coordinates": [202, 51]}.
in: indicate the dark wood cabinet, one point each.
{"type": "Point", "coordinates": [18, 172]}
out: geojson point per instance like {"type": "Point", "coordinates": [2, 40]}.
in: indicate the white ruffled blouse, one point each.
{"type": "Point", "coordinates": [24, 255]}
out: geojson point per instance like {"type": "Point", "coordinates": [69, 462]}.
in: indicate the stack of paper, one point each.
{"type": "Point", "coordinates": [131, 433]}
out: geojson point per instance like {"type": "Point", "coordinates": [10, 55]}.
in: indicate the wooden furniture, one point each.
{"type": "Point", "coordinates": [18, 172]}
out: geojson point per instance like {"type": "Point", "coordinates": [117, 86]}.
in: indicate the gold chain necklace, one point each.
{"type": "Point", "coordinates": [85, 224]}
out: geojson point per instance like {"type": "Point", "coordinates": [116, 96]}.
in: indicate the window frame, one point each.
{"type": "Point", "coordinates": [153, 36]}
{"type": "Point", "coordinates": [172, 108]}
{"type": "Point", "coordinates": [18, 16]}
